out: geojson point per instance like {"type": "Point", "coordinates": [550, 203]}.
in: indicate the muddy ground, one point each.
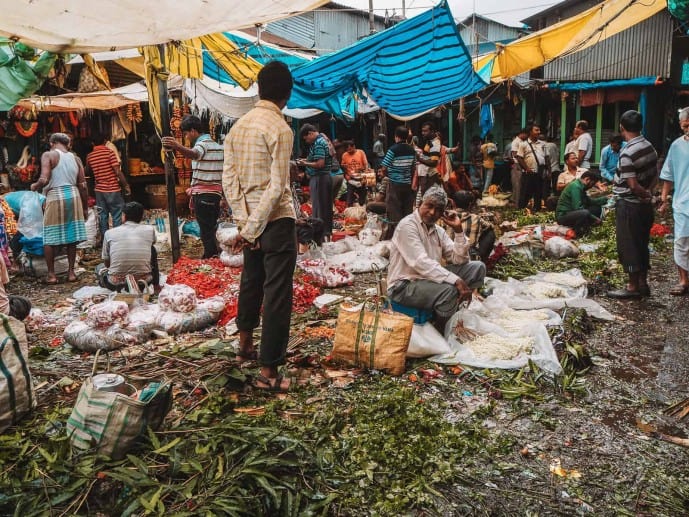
{"type": "Point", "coordinates": [610, 464]}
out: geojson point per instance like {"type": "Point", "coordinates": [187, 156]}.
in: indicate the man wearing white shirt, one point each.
{"type": "Point", "coordinates": [415, 276]}
{"type": "Point", "coordinates": [584, 144]}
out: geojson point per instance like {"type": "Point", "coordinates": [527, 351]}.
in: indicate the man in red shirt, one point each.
{"type": "Point", "coordinates": [110, 181]}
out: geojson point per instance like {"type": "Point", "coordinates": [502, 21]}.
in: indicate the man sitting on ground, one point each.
{"type": "Point", "coordinates": [576, 209]}
{"type": "Point", "coordinates": [415, 276]}
{"type": "Point", "coordinates": [128, 250]}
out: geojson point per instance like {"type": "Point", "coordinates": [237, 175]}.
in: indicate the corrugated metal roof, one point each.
{"type": "Point", "coordinates": [644, 49]}
{"type": "Point", "coordinates": [299, 29]}
{"type": "Point", "coordinates": [335, 29]}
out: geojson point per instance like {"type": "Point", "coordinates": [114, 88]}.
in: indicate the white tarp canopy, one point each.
{"type": "Point", "coordinates": [102, 100]}
{"type": "Point", "coordinates": [80, 26]}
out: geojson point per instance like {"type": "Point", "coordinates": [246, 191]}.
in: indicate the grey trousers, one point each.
{"type": "Point", "coordinates": [442, 299]}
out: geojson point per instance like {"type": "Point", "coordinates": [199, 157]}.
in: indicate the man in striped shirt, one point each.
{"type": "Point", "coordinates": [102, 162]}
{"type": "Point", "coordinates": [633, 184]}
{"type": "Point", "coordinates": [398, 164]}
{"type": "Point", "coordinates": [257, 186]}
{"type": "Point", "coordinates": [206, 178]}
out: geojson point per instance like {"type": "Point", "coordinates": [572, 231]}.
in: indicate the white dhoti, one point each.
{"type": "Point", "coordinates": [682, 252]}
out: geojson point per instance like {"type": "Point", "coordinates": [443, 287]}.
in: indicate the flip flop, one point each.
{"type": "Point", "coordinates": [273, 387]}
{"type": "Point", "coordinates": [245, 358]}
{"type": "Point", "coordinates": [53, 281]}
{"type": "Point", "coordinates": [679, 290]}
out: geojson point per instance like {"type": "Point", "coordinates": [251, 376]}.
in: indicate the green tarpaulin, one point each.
{"type": "Point", "coordinates": [19, 77]}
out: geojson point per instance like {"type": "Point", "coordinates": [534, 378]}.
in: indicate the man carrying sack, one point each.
{"type": "Point", "coordinates": [415, 276]}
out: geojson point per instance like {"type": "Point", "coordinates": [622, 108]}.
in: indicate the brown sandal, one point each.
{"type": "Point", "coordinates": [275, 386]}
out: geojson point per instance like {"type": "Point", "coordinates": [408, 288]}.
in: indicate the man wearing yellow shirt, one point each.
{"type": "Point", "coordinates": [256, 182]}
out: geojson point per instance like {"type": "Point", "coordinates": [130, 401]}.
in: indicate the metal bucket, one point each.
{"type": "Point", "coordinates": [109, 382]}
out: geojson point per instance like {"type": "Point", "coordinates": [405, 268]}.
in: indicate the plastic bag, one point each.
{"type": "Point", "coordinates": [541, 351]}
{"type": "Point", "coordinates": [30, 222]}
{"type": "Point", "coordinates": [108, 313]}
{"type": "Point", "coordinates": [425, 341]}
{"type": "Point", "coordinates": [179, 298]}
{"type": "Point", "coordinates": [227, 234]}
{"type": "Point", "coordinates": [214, 305]}
{"type": "Point", "coordinates": [558, 247]}
{"type": "Point", "coordinates": [372, 231]}
{"type": "Point", "coordinates": [91, 230]}
{"type": "Point", "coordinates": [231, 260]}
{"type": "Point", "coordinates": [81, 335]}
{"type": "Point", "coordinates": [143, 317]}
{"type": "Point", "coordinates": [323, 272]}
{"type": "Point", "coordinates": [179, 322]}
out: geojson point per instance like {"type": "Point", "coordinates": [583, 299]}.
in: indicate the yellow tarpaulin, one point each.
{"type": "Point", "coordinates": [571, 35]}
{"type": "Point", "coordinates": [186, 59]}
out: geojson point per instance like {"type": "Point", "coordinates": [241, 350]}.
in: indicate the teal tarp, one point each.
{"type": "Point", "coordinates": [408, 69]}
{"type": "Point", "coordinates": [646, 80]}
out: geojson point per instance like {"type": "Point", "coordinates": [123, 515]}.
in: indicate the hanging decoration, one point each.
{"type": "Point", "coordinates": [26, 128]}
{"type": "Point", "coordinates": [74, 119]}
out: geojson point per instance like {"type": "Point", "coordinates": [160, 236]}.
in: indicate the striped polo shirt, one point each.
{"type": "Point", "coordinates": [206, 175]}
{"type": "Point", "coordinates": [128, 247]}
{"type": "Point", "coordinates": [638, 159]}
{"type": "Point", "coordinates": [103, 162]}
{"type": "Point", "coordinates": [400, 161]}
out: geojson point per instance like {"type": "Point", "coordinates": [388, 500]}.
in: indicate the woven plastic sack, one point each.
{"type": "Point", "coordinates": [112, 422]}
{"type": "Point", "coordinates": [372, 338]}
{"type": "Point", "coordinates": [16, 387]}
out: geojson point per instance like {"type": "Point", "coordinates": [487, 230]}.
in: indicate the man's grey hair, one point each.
{"type": "Point", "coordinates": [59, 138]}
{"type": "Point", "coordinates": [684, 113]}
{"type": "Point", "coordinates": [436, 195]}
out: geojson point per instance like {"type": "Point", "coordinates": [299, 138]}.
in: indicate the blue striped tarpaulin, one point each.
{"type": "Point", "coordinates": [259, 52]}
{"type": "Point", "coordinates": [408, 69]}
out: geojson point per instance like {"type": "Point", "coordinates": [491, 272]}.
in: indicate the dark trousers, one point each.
{"type": "Point", "coordinates": [356, 194]}
{"type": "Point", "coordinates": [532, 187]}
{"type": "Point", "coordinates": [580, 220]}
{"type": "Point", "coordinates": [399, 202]}
{"type": "Point", "coordinates": [267, 279]}
{"type": "Point", "coordinates": [633, 223]}
{"type": "Point", "coordinates": [15, 245]}
{"type": "Point", "coordinates": [321, 192]}
{"type": "Point", "coordinates": [207, 210]}
{"type": "Point", "coordinates": [104, 280]}
{"type": "Point", "coordinates": [485, 244]}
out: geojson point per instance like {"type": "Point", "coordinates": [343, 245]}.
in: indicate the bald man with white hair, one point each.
{"type": "Point", "coordinates": [415, 276]}
{"type": "Point", "coordinates": [675, 175]}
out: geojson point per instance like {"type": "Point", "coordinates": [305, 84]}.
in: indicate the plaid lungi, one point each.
{"type": "Point", "coordinates": [63, 220]}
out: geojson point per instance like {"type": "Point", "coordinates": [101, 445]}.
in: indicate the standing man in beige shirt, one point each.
{"type": "Point", "coordinates": [256, 183]}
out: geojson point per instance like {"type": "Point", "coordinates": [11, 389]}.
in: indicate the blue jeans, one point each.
{"type": "Point", "coordinates": [110, 203]}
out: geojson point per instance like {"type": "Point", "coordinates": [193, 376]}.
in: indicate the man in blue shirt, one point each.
{"type": "Point", "coordinates": [318, 165]}
{"type": "Point", "coordinates": [610, 157]}
{"type": "Point", "coordinates": [399, 164]}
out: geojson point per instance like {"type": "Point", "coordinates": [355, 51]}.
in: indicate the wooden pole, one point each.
{"type": "Point", "coordinates": [169, 160]}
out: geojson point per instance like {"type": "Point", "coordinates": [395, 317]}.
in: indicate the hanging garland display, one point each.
{"type": "Point", "coordinates": [74, 119]}
{"type": "Point", "coordinates": [134, 113]}
{"type": "Point", "coordinates": [26, 128]}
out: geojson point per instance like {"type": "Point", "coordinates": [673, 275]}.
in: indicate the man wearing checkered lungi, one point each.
{"type": "Point", "coordinates": [64, 185]}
